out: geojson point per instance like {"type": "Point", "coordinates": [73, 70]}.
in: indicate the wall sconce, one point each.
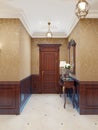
{"type": "Point", "coordinates": [82, 8]}
{"type": "Point", "coordinates": [49, 33]}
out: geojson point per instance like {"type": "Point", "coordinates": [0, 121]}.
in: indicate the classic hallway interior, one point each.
{"type": "Point", "coordinates": [46, 112]}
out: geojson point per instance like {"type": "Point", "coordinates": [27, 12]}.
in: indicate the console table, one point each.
{"type": "Point", "coordinates": [67, 84]}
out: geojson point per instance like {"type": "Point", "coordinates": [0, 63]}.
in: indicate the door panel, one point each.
{"type": "Point", "coordinates": [49, 69]}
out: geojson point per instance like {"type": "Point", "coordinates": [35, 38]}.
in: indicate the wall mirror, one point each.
{"type": "Point", "coordinates": [71, 55]}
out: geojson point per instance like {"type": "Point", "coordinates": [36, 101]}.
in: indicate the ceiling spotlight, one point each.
{"type": "Point", "coordinates": [82, 8]}
{"type": "Point", "coordinates": [49, 33]}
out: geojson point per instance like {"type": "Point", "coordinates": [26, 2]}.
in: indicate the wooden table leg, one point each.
{"type": "Point", "coordinates": [64, 95]}
{"type": "Point", "coordinates": [73, 97]}
{"type": "Point", "coordinates": [64, 100]}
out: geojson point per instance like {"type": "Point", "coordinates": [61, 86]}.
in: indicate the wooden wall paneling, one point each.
{"type": "Point", "coordinates": [25, 90]}
{"type": "Point", "coordinates": [14, 95]}
{"type": "Point", "coordinates": [76, 84]}
{"type": "Point", "coordinates": [87, 95]}
{"type": "Point", "coordinates": [9, 97]}
{"type": "Point", "coordinates": [88, 101]}
{"type": "Point", "coordinates": [36, 85]}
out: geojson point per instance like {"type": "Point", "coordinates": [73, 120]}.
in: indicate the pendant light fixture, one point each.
{"type": "Point", "coordinates": [49, 33]}
{"type": "Point", "coordinates": [82, 8]}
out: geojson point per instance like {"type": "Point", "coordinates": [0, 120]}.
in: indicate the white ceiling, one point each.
{"type": "Point", "coordinates": [35, 15]}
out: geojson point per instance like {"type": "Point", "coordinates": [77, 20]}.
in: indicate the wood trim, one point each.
{"type": "Point", "coordinates": [11, 95]}
{"type": "Point", "coordinates": [88, 97]}
{"type": "Point", "coordinates": [88, 82]}
{"type": "Point", "coordinates": [49, 45]}
{"type": "Point", "coordinates": [25, 90]}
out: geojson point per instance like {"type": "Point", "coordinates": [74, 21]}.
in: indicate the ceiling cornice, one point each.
{"type": "Point", "coordinates": [93, 14]}
{"type": "Point", "coordinates": [72, 25]}
{"type": "Point", "coordinates": [25, 22]}
{"type": "Point", "coordinates": [75, 20]}
{"type": "Point", "coordinates": [5, 13]}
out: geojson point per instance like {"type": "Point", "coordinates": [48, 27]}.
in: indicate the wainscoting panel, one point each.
{"type": "Point", "coordinates": [25, 90]}
{"type": "Point", "coordinates": [14, 95]}
{"type": "Point", "coordinates": [9, 97]}
{"type": "Point", "coordinates": [88, 97]}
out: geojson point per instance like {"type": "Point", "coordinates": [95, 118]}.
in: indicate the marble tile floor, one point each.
{"type": "Point", "coordinates": [46, 112]}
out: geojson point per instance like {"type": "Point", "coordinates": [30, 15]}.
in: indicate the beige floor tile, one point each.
{"type": "Point", "coordinates": [46, 112]}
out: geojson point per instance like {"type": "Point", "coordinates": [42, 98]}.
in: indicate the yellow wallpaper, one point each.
{"type": "Point", "coordinates": [9, 54]}
{"type": "Point", "coordinates": [14, 51]}
{"type": "Point", "coordinates": [35, 50]}
{"type": "Point", "coordinates": [24, 53]}
{"type": "Point", "coordinates": [86, 36]}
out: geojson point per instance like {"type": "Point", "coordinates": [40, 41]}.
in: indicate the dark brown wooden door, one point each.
{"type": "Point", "coordinates": [49, 67]}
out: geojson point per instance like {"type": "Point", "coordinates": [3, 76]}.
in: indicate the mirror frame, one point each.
{"type": "Point", "coordinates": [71, 56]}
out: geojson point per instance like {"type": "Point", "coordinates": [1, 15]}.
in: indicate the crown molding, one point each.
{"type": "Point", "coordinates": [72, 25]}
{"type": "Point", "coordinates": [93, 14]}
{"type": "Point", "coordinates": [6, 13]}
{"type": "Point", "coordinates": [75, 20]}
{"type": "Point", "coordinates": [43, 35]}
{"type": "Point", "coordinates": [18, 13]}
{"type": "Point", "coordinates": [25, 22]}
